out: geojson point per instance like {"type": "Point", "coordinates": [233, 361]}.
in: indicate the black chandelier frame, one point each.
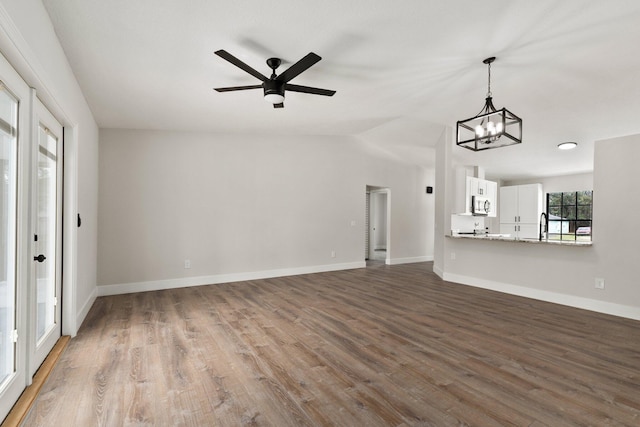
{"type": "Point", "coordinates": [505, 128]}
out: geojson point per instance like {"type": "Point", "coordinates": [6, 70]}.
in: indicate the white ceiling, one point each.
{"type": "Point", "coordinates": [402, 70]}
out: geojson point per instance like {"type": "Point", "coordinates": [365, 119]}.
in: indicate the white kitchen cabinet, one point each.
{"type": "Point", "coordinates": [509, 205]}
{"type": "Point", "coordinates": [520, 231]}
{"type": "Point", "coordinates": [482, 187]}
{"type": "Point", "coordinates": [492, 195]}
{"type": "Point", "coordinates": [520, 210]}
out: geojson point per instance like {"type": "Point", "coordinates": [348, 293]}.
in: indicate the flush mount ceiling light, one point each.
{"type": "Point", "coordinates": [567, 145]}
{"type": "Point", "coordinates": [491, 128]}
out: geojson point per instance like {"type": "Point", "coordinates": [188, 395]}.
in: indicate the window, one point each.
{"type": "Point", "coordinates": [569, 215]}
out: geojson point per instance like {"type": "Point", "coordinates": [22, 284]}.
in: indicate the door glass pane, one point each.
{"type": "Point", "coordinates": [46, 231]}
{"type": "Point", "coordinates": [8, 188]}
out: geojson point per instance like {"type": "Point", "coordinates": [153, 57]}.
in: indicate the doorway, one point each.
{"type": "Point", "coordinates": [377, 228]}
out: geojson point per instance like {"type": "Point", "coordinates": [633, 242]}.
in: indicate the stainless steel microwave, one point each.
{"type": "Point", "coordinates": [480, 205]}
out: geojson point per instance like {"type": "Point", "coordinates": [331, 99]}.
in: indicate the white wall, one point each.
{"type": "Point", "coordinates": [28, 41]}
{"type": "Point", "coordinates": [556, 184]}
{"type": "Point", "coordinates": [565, 274]}
{"type": "Point", "coordinates": [244, 206]}
{"type": "Point", "coordinates": [616, 204]}
{"type": "Point", "coordinates": [444, 191]}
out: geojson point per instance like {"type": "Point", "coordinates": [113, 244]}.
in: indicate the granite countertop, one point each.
{"type": "Point", "coordinates": [509, 238]}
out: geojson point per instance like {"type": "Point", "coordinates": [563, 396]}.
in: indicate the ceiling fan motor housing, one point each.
{"type": "Point", "coordinates": [273, 87]}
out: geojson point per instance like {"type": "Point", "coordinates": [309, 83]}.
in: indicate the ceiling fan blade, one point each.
{"type": "Point", "coordinates": [307, 89]}
{"type": "Point", "coordinates": [231, 89]}
{"type": "Point", "coordinates": [235, 61]}
{"type": "Point", "coordinates": [281, 105]}
{"type": "Point", "coordinates": [297, 68]}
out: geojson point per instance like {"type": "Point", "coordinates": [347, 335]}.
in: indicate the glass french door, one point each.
{"type": "Point", "coordinates": [14, 225]}
{"type": "Point", "coordinates": [47, 245]}
{"type": "Point", "coordinates": [8, 211]}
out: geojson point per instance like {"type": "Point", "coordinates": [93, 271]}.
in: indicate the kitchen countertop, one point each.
{"type": "Point", "coordinates": [508, 238]}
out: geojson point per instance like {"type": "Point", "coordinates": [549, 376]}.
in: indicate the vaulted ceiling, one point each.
{"type": "Point", "coordinates": [403, 70]}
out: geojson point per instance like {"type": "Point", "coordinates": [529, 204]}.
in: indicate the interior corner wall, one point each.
{"type": "Point", "coordinates": [616, 202]}
{"type": "Point", "coordinates": [29, 42]}
{"type": "Point", "coordinates": [244, 206]}
{"type": "Point", "coordinates": [442, 199]}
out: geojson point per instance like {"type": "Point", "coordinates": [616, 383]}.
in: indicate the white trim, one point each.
{"type": "Point", "coordinates": [548, 296]}
{"type": "Point", "coordinates": [438, 271]}
{"type": "Point", "coordinates": [70, 237]}
{"type": "Point", "coordinates": [411, 260]}
{"type": "Point", "coordinates": [82, 313]}
{"type": "Point", "coordinates": [156, 285]}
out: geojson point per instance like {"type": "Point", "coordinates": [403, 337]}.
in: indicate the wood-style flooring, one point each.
{"type": "Point", "coordinates": [382, 346]}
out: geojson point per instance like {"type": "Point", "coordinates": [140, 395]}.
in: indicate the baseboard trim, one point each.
{"type": "Point", "coordinates": [82, 314]}
{"type": "Point", "coordinates": [554, 297]}
{"type": "Point", "coordinates": [438, 271]}
{"type": "Point", "coordinates": [411, 260]}
{"type": "Point", "coordinates": [21, 409]}
{"type": "Point", "coordinates": [156, 285]}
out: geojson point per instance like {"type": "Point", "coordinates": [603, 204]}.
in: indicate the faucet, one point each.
{"type": "Point", "coordinates": [543, 223]}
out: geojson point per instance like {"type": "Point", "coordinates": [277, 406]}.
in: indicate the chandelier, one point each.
{"type": "Point", "coordinates": [491, 128]}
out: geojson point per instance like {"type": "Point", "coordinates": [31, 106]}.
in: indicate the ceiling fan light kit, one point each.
{"type": "Point", "coordinates": [274, 87]}
{"type": "Point", "coordinates": [491, 128]}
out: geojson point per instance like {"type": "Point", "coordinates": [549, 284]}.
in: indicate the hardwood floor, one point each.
{"type": "Point", "coordinates": [386, 345]}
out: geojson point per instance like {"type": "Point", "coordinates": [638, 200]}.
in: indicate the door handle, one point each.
{"type": "Point", "coordinates": [39, 258]}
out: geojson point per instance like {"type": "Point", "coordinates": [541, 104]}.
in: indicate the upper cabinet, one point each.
{"type": "Point", "coordinates": [520, 210]}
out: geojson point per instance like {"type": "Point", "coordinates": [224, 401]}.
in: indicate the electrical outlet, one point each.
{"type": "Point", "coordinates": [187, 263]}
{"type": "Point", "coordinates": [453, 255]}
{"type": "Point", "coordinates": [599, 283]}
{"type": "Point", "coordinates": [333, 254]}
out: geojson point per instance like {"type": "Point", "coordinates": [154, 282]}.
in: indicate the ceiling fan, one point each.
{"type": "Point", "coordinates": [275, 86]}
